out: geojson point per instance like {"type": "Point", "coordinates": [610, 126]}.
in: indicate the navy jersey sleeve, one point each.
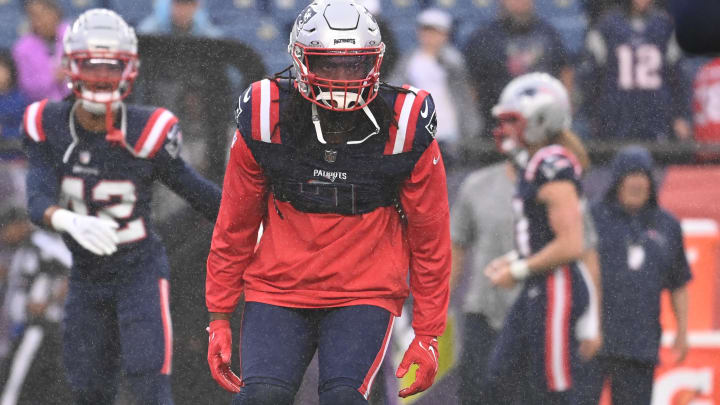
{"type": "Point", "coordinates": [552, 163]}
{"type": "Point", "coordinates": [678, 273]}
{"type": "Point", "coordinates": [173, 171]}
{"type": "Point", "coordinates": [42, 179]}
{"type": "Point", "coordinates": [244, 104]}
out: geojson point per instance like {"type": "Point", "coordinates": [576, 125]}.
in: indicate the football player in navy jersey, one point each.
{"type": "Point", "coordinates": [92, 163]}
{"type": "Point", "coordinates": [635, 76]}
{"type": "Point", "coordinates": [538, 350]}
{"type": "Point", "coordinates": [347, 180]}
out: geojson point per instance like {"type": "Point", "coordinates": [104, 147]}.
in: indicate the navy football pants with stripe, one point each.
{"type": "Point", "coordinates": [536, 355]}
{"type": "Point", "coordinates": [124, 325]}
{"type": "Point", "coordinates": [278, 344]}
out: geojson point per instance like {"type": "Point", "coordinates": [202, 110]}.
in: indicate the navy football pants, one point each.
{"type": "Point", "coordinates": [631, 381]}
{"type": "Point", "coordinates": [478, 342]}
{"type": "Point", "coordinates": [536, 356]}
{"type": "Point", "coordinates": [119, 326]}
{"type": "Point", "coordinates": [278, 344]}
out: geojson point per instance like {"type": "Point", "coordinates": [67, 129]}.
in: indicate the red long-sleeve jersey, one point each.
{"type": "Point", "coordinates": [319, 260]}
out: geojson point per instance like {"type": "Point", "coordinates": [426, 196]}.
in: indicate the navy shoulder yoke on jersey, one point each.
{"type": "Point", "coordinates": [335, 178]}
{"type": "Point", "coordinates": [147, 127]}
{"type": "Point", "coordinates": [552, 163]}
{"type": "Point", "coordinates": [81, 171]}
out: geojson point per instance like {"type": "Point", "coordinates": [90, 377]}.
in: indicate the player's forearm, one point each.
{"type": "Point", "coordinates": [558, 252]}
{"type": "Point", "coordinates": [679, 299]}
{"type": "Point", "coordinates": [458, 261]}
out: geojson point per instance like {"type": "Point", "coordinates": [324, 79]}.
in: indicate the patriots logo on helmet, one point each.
{"type": "Point", "coordinates": [306, 15]}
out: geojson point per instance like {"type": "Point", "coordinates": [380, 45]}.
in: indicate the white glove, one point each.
{"type": "Point", "coordinates": [94, 234]}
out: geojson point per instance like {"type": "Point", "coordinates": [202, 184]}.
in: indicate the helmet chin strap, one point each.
{"type": "Point", "coordinates": [76, 140]}
{"type": "Point", "coordinates": [107, 103]}
{"type": "Point", "coordinates": [342, 98]}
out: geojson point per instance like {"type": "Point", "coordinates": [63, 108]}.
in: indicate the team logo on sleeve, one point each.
{"type": "Point", "coordinates": [431, 126]}
{"type": "Point", "coordinates": [174, 141]}
{"type": "Point", "coordinates": [243, 99]}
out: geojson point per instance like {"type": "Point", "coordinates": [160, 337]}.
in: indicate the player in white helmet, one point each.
{"type": "Point", "coordinates": [538, 350]}
{"type": "Point", "coordinates": [345, 175]}
{"type": "Point", "coordinates": [93, 160]}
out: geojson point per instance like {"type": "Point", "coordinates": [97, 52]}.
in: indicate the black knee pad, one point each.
{"type": "Point", "coordinates": [264, 394]}
{"type": "Point", "coordinates": [342, 394]}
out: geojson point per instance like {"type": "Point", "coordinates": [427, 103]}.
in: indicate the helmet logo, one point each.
{"type": "Point", "coordinates": [345, 41]}
{"type": "Point", "coordinates": [306, 16]}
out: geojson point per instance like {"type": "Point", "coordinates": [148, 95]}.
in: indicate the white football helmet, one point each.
{"type": "Point", "coordinates": [100, 57]}
{"type": "Point", "coordinates": [532, 109]}
{"type": "Point", "coordinates": [336, 50]}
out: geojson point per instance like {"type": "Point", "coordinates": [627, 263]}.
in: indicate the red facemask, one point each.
{"type": "Point", "coordinates": [339, 79]}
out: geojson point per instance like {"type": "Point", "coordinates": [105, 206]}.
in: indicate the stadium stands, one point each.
{"type": "Point", "coordinates": [568, 17]}
{"type": "Point", "coordinates": [133, 11]}
{"type": "Point", "coordinates": [265, 36]}
{"type": "Point", "coordinates": [73, 8]}
{"type": "Point", "coordinates": [469, 15]}
{"type": "Point", "coordinates": [401, 17]}
{"type": "Point", "coordinates": [235, 12]}
{"type": "Point", "coordinates": [11, 14]}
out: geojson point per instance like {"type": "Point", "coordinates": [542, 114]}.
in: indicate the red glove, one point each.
{"type": "Point", "coordinates": [423, 351]}
{"type": "Point", "coordinates": [219, 350]}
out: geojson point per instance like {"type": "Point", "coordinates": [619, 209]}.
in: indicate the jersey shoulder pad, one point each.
{"type": "Point", "coordinates": [553, 163]}
{"type": "Point", "coordinates": [258, 112]}
{"type": "Point", "coordinates": [415, 121]}
{"type": "Point", "coordinates": [47, 120]}
{"type": "Point", "coordinates": [148, 129]}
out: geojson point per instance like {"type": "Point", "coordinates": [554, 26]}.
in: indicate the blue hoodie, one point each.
{"type": "Point", "coordinates": [640, 255]}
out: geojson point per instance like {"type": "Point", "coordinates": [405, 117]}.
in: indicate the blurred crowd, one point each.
{"type": "Point", "coordinates": [628, 81]}
{"type": "Point", "coordinates": [627, 75]}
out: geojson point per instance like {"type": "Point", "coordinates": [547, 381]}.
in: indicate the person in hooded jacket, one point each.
{"type": "Point", "coordinates": [641, 253]}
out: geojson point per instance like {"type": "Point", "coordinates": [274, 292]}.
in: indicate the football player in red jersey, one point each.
{"type": "Point", "coordinates": [346, 178]}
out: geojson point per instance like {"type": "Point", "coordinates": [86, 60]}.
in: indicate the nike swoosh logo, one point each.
{"type": "Point", "coordinates": [436, 159]}
{"type": "Point", "coordinates": [246, 97]}
{"type": "Point", "coordinates": [424, 112]}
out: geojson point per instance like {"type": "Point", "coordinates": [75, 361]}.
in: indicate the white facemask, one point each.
{"type": "Point", "coordinates": [95, 102]}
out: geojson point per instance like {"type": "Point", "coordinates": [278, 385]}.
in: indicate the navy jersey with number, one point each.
{"type": "Point", "coordinates": [635, 68]}
{"type": "Point", "coordinates": [532, 228]}
{"type": "Point", "coordinates": [83, 172]}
